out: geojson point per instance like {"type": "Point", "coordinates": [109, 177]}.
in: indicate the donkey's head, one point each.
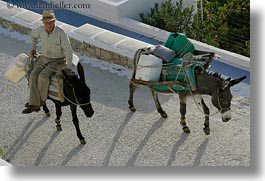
{"type": "Point", "coordinates": [77, 91]}
{"type": "Point", "coordinates": [221, 98]}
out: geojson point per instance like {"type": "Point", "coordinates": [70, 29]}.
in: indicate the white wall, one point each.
{"type": "Point", "coordinates": [133, 8]}
{"type": "Point", "coordinates": [112, 10]}
{"type": "Point", "coordinates": [98, 9]}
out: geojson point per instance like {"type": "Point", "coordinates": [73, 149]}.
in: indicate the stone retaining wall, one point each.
{"type": "Point", "coordinates": [82, 47]}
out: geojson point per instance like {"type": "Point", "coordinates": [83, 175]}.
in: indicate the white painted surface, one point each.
{"type": "Point", "coordinates": [4, 163]}
{"type": "Point", "coordinates": [112, 10]}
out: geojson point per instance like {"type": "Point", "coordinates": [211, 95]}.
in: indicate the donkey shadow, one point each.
{"type": "Point", "coordinates": [116, 138]}
{"type": "Point", "coordinates": [158, 124]}
{"type": "Point", "coordinates": [45, 148]}
{"type": "Point", "coordinates": [201, 151]}
{"type": "Point", "coordinates": [72, 153]}
{"type": "Point", "coordinates": [175, 148]}
{"type": "Point", "coordinates": [22, 138]}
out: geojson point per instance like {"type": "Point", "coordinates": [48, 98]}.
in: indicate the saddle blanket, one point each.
{"type": "Point", "coordinates": [55, 90]}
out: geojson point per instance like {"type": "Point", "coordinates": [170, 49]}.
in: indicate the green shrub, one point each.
{"type": "Point", "coordinates": [1, 153]}
{"type": "Point", "coordinates": [224, 23]}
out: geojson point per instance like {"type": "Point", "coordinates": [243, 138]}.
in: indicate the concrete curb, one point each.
{"type": "Point", "coordinates": [4, 163]}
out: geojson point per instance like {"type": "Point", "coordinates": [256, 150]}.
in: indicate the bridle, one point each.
{"type": "Point", "coordinates": [77, 103]}
{"type": "Point", "coordinates": [219, 104]}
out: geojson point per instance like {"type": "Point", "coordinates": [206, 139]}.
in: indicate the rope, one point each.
{"type": "Point", "coordinates": [192, 95]}
{"type": "Point", "coordinates": [199, 107]}
{"type": "Point", "coordinates": [76, 104]}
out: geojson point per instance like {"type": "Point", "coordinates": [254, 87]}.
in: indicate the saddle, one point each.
{"type": "Point", "coordinates": [55, 90]}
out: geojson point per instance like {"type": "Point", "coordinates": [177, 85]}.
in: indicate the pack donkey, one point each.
{"type": "Point", "coordinates": [211, 84]}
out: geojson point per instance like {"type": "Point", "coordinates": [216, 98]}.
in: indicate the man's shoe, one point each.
{"type": "Point", "coordinates": [27, 105]}
{"type": "Point", "coordinates": [31, 109]}
{"type": "Point", "coordinates": [42, 103]}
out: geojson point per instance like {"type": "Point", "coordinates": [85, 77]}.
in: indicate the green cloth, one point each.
{"type": "Point", "coordinates": [180, 44]}
{"type": "Point", "coordinates": [190, 75]}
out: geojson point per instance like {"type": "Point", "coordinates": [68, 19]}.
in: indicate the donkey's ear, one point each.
{"type": "Point", "coordinates": [236, 81]}
{"type": "Point", "coordinates": [225, 84]}
{"type": "Point", "coordinates": [80, 70]}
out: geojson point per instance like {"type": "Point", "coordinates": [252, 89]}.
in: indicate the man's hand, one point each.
{"type": "Point", "coordinates": [33, 54]}
{"type": "Point", "coordinates": [69, 71]}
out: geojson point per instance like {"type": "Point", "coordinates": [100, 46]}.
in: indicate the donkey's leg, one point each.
{"type": "Point", "coordinates": [58, 116]}
{"type": "Point", "coordinates": [158, 105]}
{"type": "Point", "coordinates": [206, 111]}
{"type": "Point", "coordinates": [182, 110]}
{"type": "Point", "coordinates": [130, 101]}
{"type": "Point", "coordinates": [76, 123]}
{"type": "Point", "coordinates": [46, 110]}
{"type": "Point", "coordinates": [183, 123]}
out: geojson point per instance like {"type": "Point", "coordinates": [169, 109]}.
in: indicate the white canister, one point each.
{"type": "Point", "coordinates": [149, 68]}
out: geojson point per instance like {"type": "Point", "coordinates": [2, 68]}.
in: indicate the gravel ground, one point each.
{"type": "Point", "coordinates": [114, 135]}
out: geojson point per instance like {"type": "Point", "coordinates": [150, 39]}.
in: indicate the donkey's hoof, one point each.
{"type": "Point", "coordinates": [83, 141]}
{"type": "Point", "coordinates": [59, 128]}
{"type": "Point", "coordinates": [186, 129]}
{"type": "Point", "coordinates": [48, 114]}
{"type": "Point", "coordinates": [164, 115]}
{"type": "Point", "coordinates": [206, 131]}
{"type": "Point", "coordinates": [132, 109]}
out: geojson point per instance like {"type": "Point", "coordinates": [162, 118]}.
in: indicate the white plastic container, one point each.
{"type": "Point", "coordinates": [149, 68]}
{"type": "Point", "coordinates": [16, 73]}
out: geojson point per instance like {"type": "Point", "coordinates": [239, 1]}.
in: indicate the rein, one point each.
{"type": "Point", "coordinates": [78, 104]}
{"type": "Point", "coordinates": [198, 106]}
{"type": "Point", "coordinates": [218, 100]}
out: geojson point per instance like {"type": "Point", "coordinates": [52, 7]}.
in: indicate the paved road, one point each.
{"type": "Point", "coordinates": [114, 135]}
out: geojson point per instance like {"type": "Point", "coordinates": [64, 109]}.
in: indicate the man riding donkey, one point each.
{"type": "Point", "coordinates": [56, 50]}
